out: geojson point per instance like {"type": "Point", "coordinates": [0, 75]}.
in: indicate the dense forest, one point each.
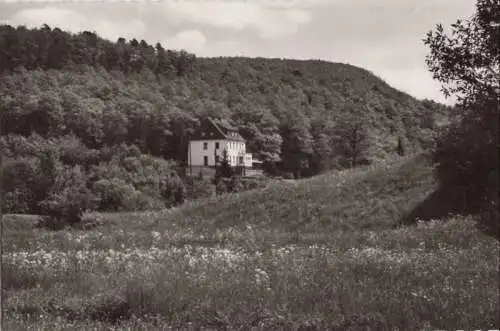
{"type": "Point", "coordinates": [116, 116]}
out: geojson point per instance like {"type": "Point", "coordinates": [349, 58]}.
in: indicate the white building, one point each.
{"type": "Point", "coordinates": [207, 144]}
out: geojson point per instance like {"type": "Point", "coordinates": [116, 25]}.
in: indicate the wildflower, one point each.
{"type": "Point", "coordinates": [156, 235]}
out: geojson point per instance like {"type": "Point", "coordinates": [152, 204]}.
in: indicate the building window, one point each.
{"type": "Point", "coordinates": [217, 145]}
{"type": "Point", "coordinates": [205, 160]}
{"type": "Point", "coordinates": [205, 146]}
{"type": "Point", "coordinates": [217, 159]}
{"type": "Point", "coordinates": [241, 159]}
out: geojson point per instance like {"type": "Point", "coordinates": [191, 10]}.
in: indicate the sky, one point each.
{"type": "Point", "coordinates": [383, 36]}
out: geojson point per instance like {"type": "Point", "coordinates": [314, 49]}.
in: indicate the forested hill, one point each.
{"type": "Point", "coordinates": [312, 115]}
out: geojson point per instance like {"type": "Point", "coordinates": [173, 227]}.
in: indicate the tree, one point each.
{"type": "Point", "coordinates": [224, 169]}
{"type": "Point", "coordinates": [352, 141]}
{"type": "Point", "coordinates": [17, 178]}
{"type": "Point", "coordinates": [468, 65]}
{"type": "Point", "coordinates": [468, 62]}
{"type": "Point", "coordinates": [323, 132]}
{"type": "Point", "coordinates": [173, 191]}
{"type": "Point", "coordinates": [69, 198]}
{"type": "Point", "coordinates": [400, 149]}
{"type": "Point", "coordinates": [297, 142]}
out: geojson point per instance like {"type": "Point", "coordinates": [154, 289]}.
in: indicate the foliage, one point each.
{"type": "Point", "coordinates": [352, 140]}
{"type": "Point", "coordinates": [468, 161]}
{"type": "Point", "coordinates": [468, 65]}
{"type": "Point", "coordinates": [120, 177]}
{"type": "Point", "coordinates": [119, 109]}
{"type": "Point", "coordinates": [114, 195]}
{"type": "Point", "coordinates": [198, 188]}
{"type": "Point", "coordinates": [17, 180]}
{"type": "Point", "coordinates": [223, 169]}
{"type": "Point", "coordinates": [173, 191]}
{"type": "Point", "coordinates": [316, 254]}
{"type": "Point", "coordinates": [49, 48]}
{"type": "Point", "coordinates": [468, 62]}
{"type": "Point", "coordinates": [69, 198]}
{"type": "Point", "coordinates": [106, 93]}
{"type": "Point", "coordinates": [400, 148]}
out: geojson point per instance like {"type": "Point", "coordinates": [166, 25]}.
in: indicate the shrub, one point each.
{"type": "Point", "coordinates": [251, 184]}
{"type": "Point", "coordinates": [91, 220]}
{"type": "Point", "coordinates": [74, 152]}
{"type": "Point", "coordinates": [112, 194]}
{"type": "Point", "coordinates": [197, 188]}
{"type": "Point", "coordinates": [131, 182]}
{"type": "Point", "coordinates": [221, 188]}
{"type": "Point", "coordinates": [17, 181]}
{"type": "Point", "coordinates": [173, 191]}
{"type": "Point", "coordinates": [468, 160]}
{"type": "Point", "coordinates": [116, 195]}
{"type": "Point", "coordinates": [16, 201]}
{"type": "Point", "coordinates": [223, 169]}
{"type": "Point", "coordinates": [68, 199]}
{"type": "Point", "coordinates": [141, 201]}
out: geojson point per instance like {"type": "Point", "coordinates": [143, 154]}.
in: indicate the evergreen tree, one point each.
{"type": "Point", "coordinates": [223, 169]}
{"type": "Point", "coordinates": [400, 149]}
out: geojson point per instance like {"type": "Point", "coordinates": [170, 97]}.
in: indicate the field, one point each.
{"type": "Point", "coordinates": [325, 253]}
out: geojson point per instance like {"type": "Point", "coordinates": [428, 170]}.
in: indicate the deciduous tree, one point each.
{"type": "Point", "coordinates": [467, 63]}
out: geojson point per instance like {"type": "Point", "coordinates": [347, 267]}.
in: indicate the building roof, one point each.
{"type": "Point", "coordinates": [212, 129]}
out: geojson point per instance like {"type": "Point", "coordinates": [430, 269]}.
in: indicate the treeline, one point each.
{"type": "Point", "coordinates": [47, 48]}
{"type": "Point", "coordinates": [300, 117]}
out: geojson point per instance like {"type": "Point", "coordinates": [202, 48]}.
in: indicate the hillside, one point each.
{"type": "Point", "coordinates": [300, 117]}
{"type": "Point", "coordinates": [372, 198]}
{"type": "Point", "coordinates": [319, 253]}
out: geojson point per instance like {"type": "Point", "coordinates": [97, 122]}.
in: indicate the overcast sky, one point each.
{"type": "Point", "coordinates": [383, 36]}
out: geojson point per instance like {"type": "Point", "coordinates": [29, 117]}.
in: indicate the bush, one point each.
{"type": "Point", "coordinates": [116, 195]}
{"type": "Point", "coordinates": [468, 161]}
{"type": "Point", "coordinates": [251, 184]}
{"type": "Point", "coordinates": [221, 187]}
{"type": "Point", "coordinates": [198, 188]}
{"type": "Point", "coordinates": [91, 220]}
{"type": "Point", "coordinates": [68, 199]}
{"type": "Point", "coordinates": [112, 194]}
{"type": "Point", "coordinates": [73, 152]}
{"type": "Point", "coordinates": [16, 201]}
{"type": "Point", "coordinates": [17, 181]}
{"type": "Point", "coordinates": [129, 182]}
{"type": "Point", "coordinates": [173, 191]}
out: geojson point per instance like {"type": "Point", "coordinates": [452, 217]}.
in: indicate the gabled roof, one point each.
{"type": "Point", "coordinates": [211, 129]}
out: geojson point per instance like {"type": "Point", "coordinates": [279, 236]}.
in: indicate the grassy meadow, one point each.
{"type": "Point", "coordinates": [325, 253]}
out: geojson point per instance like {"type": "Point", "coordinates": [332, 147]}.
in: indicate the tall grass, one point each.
{"type": "Point", "coordinates": [316, 254]}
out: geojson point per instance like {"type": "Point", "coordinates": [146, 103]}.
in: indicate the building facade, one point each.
{"type": "Point", "coordinates": [207, 145]}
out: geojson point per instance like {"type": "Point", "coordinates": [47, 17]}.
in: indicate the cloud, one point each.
{"type": "Point", "coordinates": [70, 20]}
{"type": "Point", "coordinates": [267, 22]}
{"type": "Point", "coordinates": [415, 81]}
{"type": "Point", "coordinates": [389, 4]}
{"type": "Point", "coordinates": [55, 17]}
{"type": "Point", "coordinates": [383, 36]}
{"type": "Point", "coordinates": [112, 30]}
{"type": "Point", "coordinates": [189, 40]}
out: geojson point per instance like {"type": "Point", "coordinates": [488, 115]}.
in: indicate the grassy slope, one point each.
{"type": "Point", "coordinates": [373, 197]}
{"type": "Point", "coordinates": [322, 252]}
